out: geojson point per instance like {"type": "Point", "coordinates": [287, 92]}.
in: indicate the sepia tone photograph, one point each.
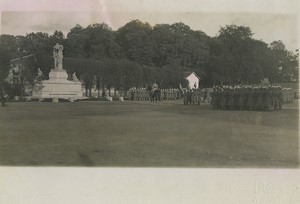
{"type": "Point", "coordinates": [191, 101]}
{"type": "Point", "coordinates": [149, 89]}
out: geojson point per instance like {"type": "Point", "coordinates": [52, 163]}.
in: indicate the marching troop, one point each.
{"type": "Point", "coordinates": [261, 98]}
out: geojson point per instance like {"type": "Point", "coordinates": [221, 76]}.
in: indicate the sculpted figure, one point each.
{"type": "Point", "coordinates": [58, 56]}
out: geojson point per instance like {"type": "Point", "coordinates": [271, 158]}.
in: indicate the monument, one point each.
{"type": "Point", "coordinates": [58, 85]}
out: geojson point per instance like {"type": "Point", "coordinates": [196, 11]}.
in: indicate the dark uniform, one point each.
{"type": "Point", "coordinates": [2, 95]}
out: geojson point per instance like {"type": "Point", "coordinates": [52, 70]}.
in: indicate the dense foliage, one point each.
{"type": "Point", "coordinates": [139, 54]}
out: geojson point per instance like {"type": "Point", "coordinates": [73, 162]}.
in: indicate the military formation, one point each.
{"type": "Point", "coordinates": [192, 96]}
{"type": "Point", "coordinates": [257, 98]}
{"type": "Point", "coordinates": [142, 94]}
{"type": "Point", "coordinates": [170, 94]}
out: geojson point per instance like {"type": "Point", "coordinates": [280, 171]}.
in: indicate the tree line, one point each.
{"type": "Point", "coordinates": [138, 54]}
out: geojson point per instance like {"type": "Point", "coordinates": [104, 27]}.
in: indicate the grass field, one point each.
{"type": "Point", "coordinates": [140, 134]}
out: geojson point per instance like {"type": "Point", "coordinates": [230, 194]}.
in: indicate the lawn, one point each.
{"type": "Point", "coordinates": [140, 134]}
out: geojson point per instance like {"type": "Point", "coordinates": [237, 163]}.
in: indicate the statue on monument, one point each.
{"type": "Point", "coordinates": [58, 56]}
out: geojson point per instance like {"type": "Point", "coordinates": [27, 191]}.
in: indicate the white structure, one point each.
{"type": "Point", "coordinates": [193, 80]}
{"type": "Point", "coordinates": [58, 86]}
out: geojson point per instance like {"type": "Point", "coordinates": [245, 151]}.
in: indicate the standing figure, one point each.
{"type": "Point", "coordinates": [241, 99]}
{"type": "Point", "coordinates": [2, 96]}
{"type": "Point", "coordinates": [154, 87]}
{"type": "Point", "coordinates": [58, 56]}
{"type": "Point", "coordinates": [205, 95]}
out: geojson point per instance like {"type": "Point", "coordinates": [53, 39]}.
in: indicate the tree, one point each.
{"type": "Point", "coordinates": [4, 64]}
{"type": "Point", "coordinates": [164, 45]}
{"type": "Point", "coordinates": [35, 43]}
{"type": "Point", "coordinates": [8, 50]}
{"type": "Point", "coordinates": [264, 60]}
{"type": "Point", "coordinates": [178, 44]}
{"type": "Point", "coordinates": [236, 58]}
{"type": "Point", "coordinates": [286, 62]}
{"type": "Point", "coordinates": [76, 43]}
{"type": "Point", "coordinates": [115, 76]}
{"type": "Point", "coordinates": [100, 42]}
{"type": "Point", "coordinates": [86, 72]}
{"type": "Point", "coordinates": [135, 41]}
{"type": "Point", "coordinates": [138, 54]}
{"type": "Point", "coordinates": [171, 76]}
{"type": "Point", "coordinates": [233, 33]}
{"type": "Point", "coordinates": [57, 37]}
{"type": "Point", "coordinates": [28, 78]}
{"type": "Point", "coordinates": [10, 44]}
{"type": "Point", "coordinates": [150, 74]}
{"type": "Point", "coordinates": [131, 74]}
{"type": "Point", "coordinates": [218, 68]}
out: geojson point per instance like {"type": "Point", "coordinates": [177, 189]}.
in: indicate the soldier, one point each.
{"type": "Point", "coordinates": [166, 94]}
{"type": "Point", "coordinates": [194, 97]}
{"type": "Point", "coordinates": [259, 99]}
{"type": "Point", "coordinates": [140, 94]}
{"type": "Point", "coordinates": [242, 98]}
{"type": "Point", "coordinates": [267, 99]}
{"type": "Point", "coordinates": [250, 98]}
{"type": "Point", "coordinates": [205, 95]}
{"type": "Point", "coordinates": [135, 94]}
{"type": "Point", "coordinates": [147, 98]}
{"type": "Point", "coordinates": [296, 95]}
{"type": "Point", "coordinates": [280, 97]}
{"type": "Point", "coordinates": [198, 95]}
{"type": "Point", "coordinates": [162, 94]}
{"type": "Point", "coordinates": [223, 98]}
{"type": "Point", "coordinates": [173, 94]}
{"type": "Point", "coordinates": [218, 97]}
{"type": "Point", "coordinates": [2, 95]}
{"type": "Point", "coordinates": [289, 95]}
{"type": "Point", "coordinates": [184, 92]}
{"type": "Point", "coordinates": [132, 94]}
{"type": "Point", "coordinates": [176, 92]}
{"type": "Point", "coordinates": [213, 101]}
{"type": "Point", "coordinates": [237, 93]}
{"type": "Point", "coordinates": [231, 99]}
{"type": "Point", "coordinates": [144, 94]}
{"type": "Point", "coordinates": [189, 97]}
{"type": "Point", "coordinates": [272, 98]}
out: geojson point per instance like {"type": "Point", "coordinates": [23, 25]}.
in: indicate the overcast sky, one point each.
{"type": "Point", "coordinates": [48, 16]}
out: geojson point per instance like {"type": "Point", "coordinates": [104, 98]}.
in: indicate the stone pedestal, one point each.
{"type": "Point", "coordinates": [59, 87]}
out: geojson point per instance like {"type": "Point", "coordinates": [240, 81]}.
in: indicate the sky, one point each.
{"type": "Point", "coordinates": [278, 22]}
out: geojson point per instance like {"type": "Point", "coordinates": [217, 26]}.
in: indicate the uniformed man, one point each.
{"type": "Point", "coordinates": [3, 95]}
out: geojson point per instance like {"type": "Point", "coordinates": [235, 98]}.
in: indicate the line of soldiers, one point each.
{"type": "Point", "coordinates": [138, 94]}
{"type": "Point", "coordinates": [142, 94]}
{"type": "Point", "coordinates": [195, 96]}
{"type": "Point", "coordinates": [192, 96]}
{"type": "Point", "coordinates": [261, 98]}
{"type": "Point", "coordinates": [170, 94]}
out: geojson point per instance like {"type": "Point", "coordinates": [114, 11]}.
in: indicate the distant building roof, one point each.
{"type": "Point", "coordinates": [188, 73]}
